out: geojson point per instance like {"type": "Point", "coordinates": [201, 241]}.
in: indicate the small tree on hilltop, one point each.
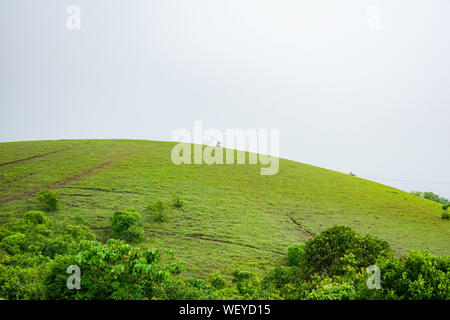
{"type": "Point", "coordinates": [445, 214]}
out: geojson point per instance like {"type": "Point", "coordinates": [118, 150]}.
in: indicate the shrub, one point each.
{"type": "Point", "coordinates": [159, 217]}
{"type": "Point", "coordinates": [416, 276]}
{"type": "Point", "coordinates": [217, 281]}
{"type": "Point", "coordinates": [21, 283]}
{"type": "Point", "coordinates": [56, 247]}
{"type": "Point", "coordinates": [48, 200]}
{"type": "Point", "coordinates": [324, 253]}
{"type": "Point", "coordinates": [35, 217]}
{"type": "Point", "coordinates": [295, 254]}
{"type": "Point", "coordinates": [157, 211]}
{"type": "Point", "coordinates": [247, 283]}
{"type": "Point", "coordinates": [177, 202]}
{"type": "Point", "coordinates": [158, 206]}
{"type": "Point", "coordinates": [278, 278]}
{"type": "Point", "coordinates": [14, 243]}
{"type": "Point", "coordinates": [77, 233]}
{"type": "Point", "coordinates": [190, 289]}
{"type": "Point", "coordinates": [4, 232]}
{"type": "Point", "coordinates": [125, 274]}
{"type": "Point", "coordinates": [126, 225]}
{"type": "Point", "coordinates": [445, 214]}
{"type": "Point", "coordinates": [320, 289]}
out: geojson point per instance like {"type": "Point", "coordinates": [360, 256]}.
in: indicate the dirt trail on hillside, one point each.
{"type": "Point", "coordinates": [81, 175]}
{"type": "Point", "coordinates": [107, 190]}
{"type": "Point", "coordinates": [61, 183]}
{"type": "Point", "coordinates": [30, 158]}
{"type": "Point", "coordinates": [301, 229]}
{"type": "Point", "coordinates": [204, 237]}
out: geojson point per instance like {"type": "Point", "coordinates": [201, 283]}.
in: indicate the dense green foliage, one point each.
{"type": "Point", "coordinates": [48, 200]}
{"type": "Point", "coordinates": [295, 254]}
{"type": "Point", "coordinates": [431, 196]}
{"type": "Point", "coordinates": [325, 253]}
{"type": "Point", "coordinates": [37, 253]}
{"type": "Point", "coordinates": [416, 276]}
{"type": "Point", "coordinates": [127, 225]}
{"type": "Point", "coordinates": [112, 271]}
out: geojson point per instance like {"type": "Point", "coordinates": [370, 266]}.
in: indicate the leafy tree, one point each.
{"type": "Point", "coordinates": [431, 196]}
{"type": "Point", "coordinates": [115, 270]}
{"type": "Point", "coordinates": [324, 253]}
{"type": "Point", "coordinates": [416, 276]}
{"type": "Point", "coordinates": [445, 214]}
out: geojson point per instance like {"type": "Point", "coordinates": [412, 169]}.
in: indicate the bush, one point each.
{"type": "Point", "coordinates": [324, 253]}
{"type": "Point", "coordinates": [278, 278]}
{"type": "Point", "coordinates": [77, 233]}
{"type": "Point", "coordinates": [416, 276]}
{"type": "Point", "coordinates": [4, 232]}
{"type": "Point", "coordinates": [157, 211]}
{"type": "Point", "coordinates": [35, 217]}
{"type": "Point", "coordinates": [14, 243]}
{"type": "Point", "coordinates": [158, 206]}
{"type": "Point", "coordinates": [125, 273]}
{"type": "Point", "coordinates": [126, 225]}
{"type": "Point", "coordinates": [295, 254]}
{"type": "Point", "coordinates": [159, 217]}
{"type": "Point", "coordinates": [445, 214]}
{"type": "Point", "coordinates": [48, 200]}
{"type": "Point", "coordinates": [247, 283]}
{"type": "Point", "coordinates": [217, 281]}
{"type": "Point", "coordinates": [21, 283]}
{"type": "Point", "coordinates": [177, 202]}
{"type": "Point", "coordinates": [55, 247]}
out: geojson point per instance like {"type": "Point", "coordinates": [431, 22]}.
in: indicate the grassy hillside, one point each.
{"type": "Point", "coordinates": [232, 216]}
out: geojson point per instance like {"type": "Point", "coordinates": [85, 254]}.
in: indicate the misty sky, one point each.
{"type": "Point", "coordinates": [346, 93]}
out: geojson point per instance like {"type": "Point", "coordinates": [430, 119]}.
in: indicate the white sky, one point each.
{"type": "Point", "coordinates": [344, 96]}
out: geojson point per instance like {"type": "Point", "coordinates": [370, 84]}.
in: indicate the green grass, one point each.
{"type": "Point", "coordinates": [232, 216]}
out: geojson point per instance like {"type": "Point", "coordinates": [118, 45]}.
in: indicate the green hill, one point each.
{"type": "Point", "coordinates": [232, 217]}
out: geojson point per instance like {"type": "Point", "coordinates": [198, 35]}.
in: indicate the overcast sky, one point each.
{"type": "Point", "coordinates": [354, 85]}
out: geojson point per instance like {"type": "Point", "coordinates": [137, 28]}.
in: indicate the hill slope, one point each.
{"type": "Point", "coordinates": [232, 218]}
